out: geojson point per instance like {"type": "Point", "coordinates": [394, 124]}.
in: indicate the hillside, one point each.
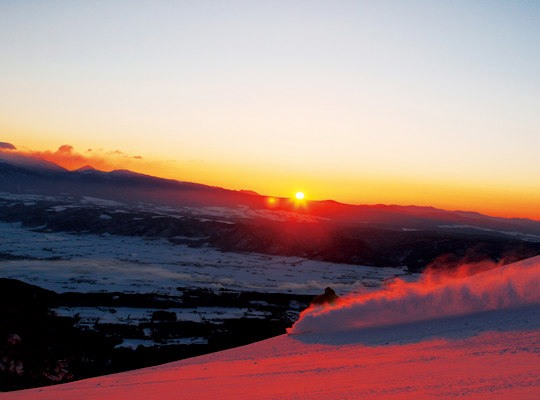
{"type": "Point", "coordinates": [493, 351]}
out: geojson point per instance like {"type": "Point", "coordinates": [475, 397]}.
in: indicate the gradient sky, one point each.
{"type": "Point", "coordinates": [363, 102]}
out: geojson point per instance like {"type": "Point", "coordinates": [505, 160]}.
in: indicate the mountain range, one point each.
{"type": "Point", "coordinates": [380, 235]}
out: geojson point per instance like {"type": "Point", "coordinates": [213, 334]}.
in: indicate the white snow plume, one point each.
{"type": "Point", "coordinates": [433, 296]}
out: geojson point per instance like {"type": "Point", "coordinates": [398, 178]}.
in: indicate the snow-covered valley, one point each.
{"type": "Point", "coordinates": [69, 262]}
{"type": "Point", "coordinates": [150, 293]}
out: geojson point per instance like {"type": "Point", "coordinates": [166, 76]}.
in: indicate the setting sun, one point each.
{"type": "Point", "coordinates": [299, 195]}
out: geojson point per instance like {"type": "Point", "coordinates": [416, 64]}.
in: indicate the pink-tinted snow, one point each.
{"type": "Point", "coordinates": [435, 295]}
{"type": "Point", "coordinates": [491, 350]}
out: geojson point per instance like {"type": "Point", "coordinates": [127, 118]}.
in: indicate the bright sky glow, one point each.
{"type": "Point", "coordinates": [426, 103]}
{"type": "Point", "coordinates": [299, 195]}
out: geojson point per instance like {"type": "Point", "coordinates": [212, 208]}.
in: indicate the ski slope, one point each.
{"type": "Point", "coordinates": [489, 351]}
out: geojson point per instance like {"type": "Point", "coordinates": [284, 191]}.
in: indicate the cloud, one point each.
{"type": "Point", "coordinates": [101, 159]}
{"type": "Point", "coordinates": [7, 146]}
{"type": "Point", "coordinates": [116, 152]}
{"type": "Point", "coordinates": [67, 157]}
{"type": "Point", "coordinates": [436, 295]}
{"type": "Point", "coordinates": [65, 149]}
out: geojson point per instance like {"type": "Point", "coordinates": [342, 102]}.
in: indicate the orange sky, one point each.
{"type": "Point", "coordinates": [359, 102]}
{"type": "Point", "coordinates": [509, 200]}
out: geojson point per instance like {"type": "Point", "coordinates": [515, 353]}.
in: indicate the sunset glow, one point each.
{"type": "Point", "coordinates": [361, 103]}
{"type": "Point", "coordinates": [299, 195]}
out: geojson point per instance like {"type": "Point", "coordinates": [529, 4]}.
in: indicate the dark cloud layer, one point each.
{"type": "Point", "coordinates": [7, 146]}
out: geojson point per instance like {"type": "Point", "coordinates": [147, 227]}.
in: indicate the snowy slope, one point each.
{"type": "Point", "coordinates": [493, 352]}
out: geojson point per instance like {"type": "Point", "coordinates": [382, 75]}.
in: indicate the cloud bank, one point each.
{"type": "Point", "coordinates": [434, 296]}
{"type": "Point", "coordinates": [67, 157]}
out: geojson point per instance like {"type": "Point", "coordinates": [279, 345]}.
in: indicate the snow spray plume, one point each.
{"type": "Point", "coordinates": [435, 295]}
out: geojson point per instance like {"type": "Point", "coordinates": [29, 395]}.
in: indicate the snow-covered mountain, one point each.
{"type": "Point", "coordinates": [484, 344]}
{"type": "Point", "coordinates": [9, 160]}
{"type": "Point", "coordinates": [31, 176]}
{"type": "Point", "coordinates": [84, 168]}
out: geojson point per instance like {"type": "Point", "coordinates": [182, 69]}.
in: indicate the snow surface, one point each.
{"type": "Point", "coordinates": [92, 263]}
{"type": "Point", "coordinates": [481, 352]}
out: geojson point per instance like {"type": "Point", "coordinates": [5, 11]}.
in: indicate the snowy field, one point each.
{"type": "Point", "coordinates": [86, 263]}
{"type": "Point", "coordinates": [480, 348]}
{"type": "Point", "coordinates": [92, 263]}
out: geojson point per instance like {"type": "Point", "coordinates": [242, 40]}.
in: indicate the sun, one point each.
{"type": "Point", "coordinates": [299, 195]}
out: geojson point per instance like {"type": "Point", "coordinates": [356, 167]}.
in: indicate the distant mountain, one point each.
{"type": "Point", "coordinates": [85, 168]}
{"type": "Point", "coordinates": [251, 192]}
{"type": "Point", "coordinates": [36, 164]}
{"type": "Point", "coordinates": [22, 174]}
{"type": "Point", "coordinates": [381, 235]}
